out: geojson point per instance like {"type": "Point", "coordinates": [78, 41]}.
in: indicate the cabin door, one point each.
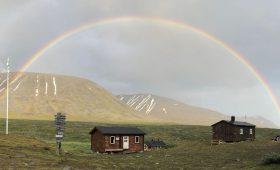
{"type": "Point", "coordinates": [125, 142]}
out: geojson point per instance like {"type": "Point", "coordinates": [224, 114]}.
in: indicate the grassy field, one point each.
{"type": "Point", "coordinates": [31, 145]}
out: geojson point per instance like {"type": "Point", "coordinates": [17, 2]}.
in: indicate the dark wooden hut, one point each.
{"type": "Point", "coordinates": [233, 131]}
{"type": "Point", "coordinates": [154, 145]}
{"type": "Point", "coordinates": [117, 139]}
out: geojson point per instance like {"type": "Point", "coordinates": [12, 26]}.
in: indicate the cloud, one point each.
{"type": "Point", "coordinates": [146, 57]}
{"type": "Point", "coordinates": [136, 57]}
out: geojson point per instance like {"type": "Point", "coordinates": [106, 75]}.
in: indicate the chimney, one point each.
{"type": "Point", "coordinates": [232, 118]}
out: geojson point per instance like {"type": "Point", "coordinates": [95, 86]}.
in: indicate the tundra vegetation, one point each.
{"type": "Point", "coordinates": [31, 145]}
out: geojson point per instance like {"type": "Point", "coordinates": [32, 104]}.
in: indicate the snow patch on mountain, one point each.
{"type": "Point", "coordinates": [36, 92]}
{"type": "Point", "coordinates": [151, 107]}
{"type": "Point", "coordinates": [17, 86]}
{"type": "Point", "coordinates": [54, 85]}
{"type": "Point", "coordinates": [37, 87]}
{"type": "Point", "coordinates": [1, 84]}
{"type": "Point", "coordinates": [121, 98]}
{"type": "Point", "coordinates": [133, 100]}
{"type": "Point", "coordinates": [164, 111]}
{"type": "Point", "coordinates": [46, 88]}
{"type": "Point", "coordinates": [145, 103]}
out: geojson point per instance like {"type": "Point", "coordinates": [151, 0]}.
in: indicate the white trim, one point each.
{"type": "Point", "coordinates": [114, 140]}
{"type": "Point", "coordinates": [251, 131]}
{"type": "Point", "coordinates": [241, 131]}
{"type": "Point", "coordinates": [136, 138]}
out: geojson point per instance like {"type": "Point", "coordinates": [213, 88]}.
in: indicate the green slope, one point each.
{"type": "Point", "coordinates": [39, 96]}
{"type": "Point", "coordinates": [31, 146]}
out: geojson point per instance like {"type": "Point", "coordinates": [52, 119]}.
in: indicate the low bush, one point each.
{"type": "Point", "coordinates": [272, 158]}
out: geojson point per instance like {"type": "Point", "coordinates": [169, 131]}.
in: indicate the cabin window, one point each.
{"type": "Point", "coordinates": [251, 131]}
{"type": "Point", "coordinates": [137, 139]}
{"type": "Point", "coordinates": [112, 139]}
{"type": "Point", "coordinates": [241, 131]}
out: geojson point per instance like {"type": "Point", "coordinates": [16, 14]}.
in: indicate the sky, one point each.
{"type": "Point", "coordinates": [140, 56]}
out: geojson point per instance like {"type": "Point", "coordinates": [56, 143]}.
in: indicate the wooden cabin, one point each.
{"type": "Point", "coordinates": [117, 139]}
{"type": "Point", "coordinates": [154, 145]}
{"type": "Point", "coordinates": [233, 131]}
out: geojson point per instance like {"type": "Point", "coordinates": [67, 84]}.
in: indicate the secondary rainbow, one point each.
{"type": "Point", "coordinates": [154, 20]}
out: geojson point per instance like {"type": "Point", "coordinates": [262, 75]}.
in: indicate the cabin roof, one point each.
{"type": "Point", "coordinates": [118, 130]}
{"type": "Point", "coordinates": [236, 123]}
{"type": "Point", "coordinates": [155, 143]}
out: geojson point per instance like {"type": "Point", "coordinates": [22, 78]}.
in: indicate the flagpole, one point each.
{"type": "Point", "coordinates": [7, 113]}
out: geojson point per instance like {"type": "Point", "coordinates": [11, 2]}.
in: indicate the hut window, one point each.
{"type": "Point", "coordinates": [137, 139]}
{"type": "Point", "coordinates": [112, 139]}
{"type": "Point", "coordinates": [251, 131]}
{"type": "Point", "coordinates": [241, 131]}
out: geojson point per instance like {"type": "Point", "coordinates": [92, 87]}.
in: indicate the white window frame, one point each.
{"type": "Point", "coordinates": [138, 139]}
{"type": "Point", "coordinates": [241, 131]}
{"type": "Point", "coordinates": [114, 140]}
{"type": "Point", "coordinates": [251, 131]}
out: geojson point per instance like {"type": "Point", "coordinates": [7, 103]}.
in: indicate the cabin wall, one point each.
{"type": "Point", "coordinates": [246, 133]}
{"type": "Point", "coordinates": [97, 142]}
{"type": "Point", "coordinates": [100, 142]}
{"type": "Point", "coordinates": [231, 133]}
{"type": "Point", "coordinates": [223, 131]}
{"type": "Point", "coordinates": [117, 145]}
{"type": "Point", "coordinates": [136, 147]}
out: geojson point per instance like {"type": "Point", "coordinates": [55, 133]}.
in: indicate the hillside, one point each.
{"type": "Point", "coordinates": [30, 145]}
{"type": "Point", "coordinates": [40, 96]}
{"type": "Point", "coordinates": [23, 152]}
{"type": "Point", "coordinates": [168, 109]}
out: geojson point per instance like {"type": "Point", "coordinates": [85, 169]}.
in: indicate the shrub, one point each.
{"type": "Point", "coordinates": [272, 158]}
{"type": "Point", "coordinates": [46, 148]}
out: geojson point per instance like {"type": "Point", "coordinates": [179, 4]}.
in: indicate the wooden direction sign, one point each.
{"type": "Point", "coordinates": [59, 126]}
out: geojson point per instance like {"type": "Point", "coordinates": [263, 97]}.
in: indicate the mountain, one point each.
{"type": "Point", "coordinates": [40, 96]}
{"type": "Point", "coordinates": [259, 121]}
{"type": "Point", "coordinates": [171, 110]}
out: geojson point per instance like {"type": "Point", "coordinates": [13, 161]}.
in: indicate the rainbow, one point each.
{"type": "Point", "coordinates": [154, 20]}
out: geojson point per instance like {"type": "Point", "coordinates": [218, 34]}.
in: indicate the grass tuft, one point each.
{"type": "Point", "coordinates": [271, 158]}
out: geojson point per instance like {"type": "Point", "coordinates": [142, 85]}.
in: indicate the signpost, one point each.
{"type": "Point", "coordinates": [59, 124]}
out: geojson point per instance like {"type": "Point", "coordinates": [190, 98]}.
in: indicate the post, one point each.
{"type": "Point", "coordinates": [58, 148]}
{"type": "Point", "coordinates": [7, 113]}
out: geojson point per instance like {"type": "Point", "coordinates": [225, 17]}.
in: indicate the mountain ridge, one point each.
{"type": "Point", "coordinates": [164, 108]}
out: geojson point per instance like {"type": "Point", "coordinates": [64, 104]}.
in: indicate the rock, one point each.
{"type": "Point", "coordinates": [25, 164]}
{"type": "Point", "coordinates": [67, 168]}
{"type": "Point", "coordinates": [20, 156]}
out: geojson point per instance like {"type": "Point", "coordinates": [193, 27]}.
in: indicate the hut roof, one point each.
{"type": "Point", "coordinates": [236, 123]}
{"type": "Point", "coordinates": [118, 130]}
{"type": "Point", "coordinates": [155, 143]}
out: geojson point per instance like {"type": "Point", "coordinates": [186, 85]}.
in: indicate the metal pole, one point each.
{"type": "Point", "coordinates": [7, 113]}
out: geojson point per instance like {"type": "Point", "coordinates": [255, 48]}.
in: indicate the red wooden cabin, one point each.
{"type": "Point", "coordinates": [117, 139]}
{"type": "Point", "coordinates": [233, 131]}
